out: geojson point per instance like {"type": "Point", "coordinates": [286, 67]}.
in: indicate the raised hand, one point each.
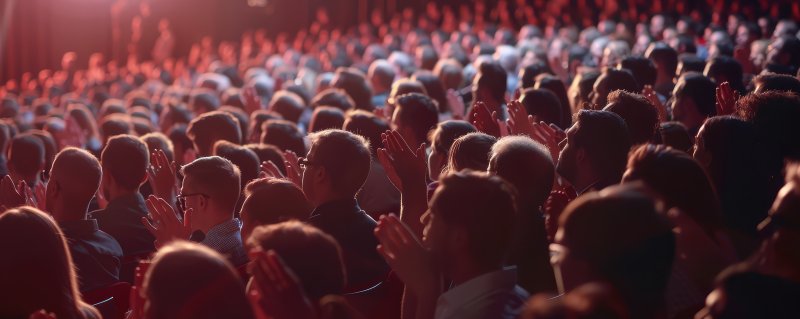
{"type": "Point", "coordinates": [270, 169]}
{"type": "Point", "coordinates": [252, 102]}
{"type": "Point", "coordinates": [726, 99]}
{"type": "Point", "coordinates": [456, 104]}
{"type": "Point", "coordinates": [485, 120]}
{"type": "Point", "coordinates": [166, 226]}
{"type": "Point", "coordinates": [292, 165]}
{"type": "Point", "coordinates": [519, 122]}
{"type": "Point", "coordinates": [162, 175]}
{"type": "Point", "coordinates": [42, 314]}
{"type": "Point", "coordinates": [406, 255]}
{"type": "Point", "coordinates": [652, 96]}
{"type": "Point", "coordinates": [275, 291]}
{"type": "Point", "coordinates": [549, 136]}
{"type": "Point", "coordinates": [402, 164]}
{"type": "Point", "coordinates": [11, 195]}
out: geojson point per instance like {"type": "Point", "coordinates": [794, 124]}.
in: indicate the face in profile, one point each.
{"type": "Point", "coordinates": [568, 157]}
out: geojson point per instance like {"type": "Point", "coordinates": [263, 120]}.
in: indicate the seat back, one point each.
{"type": "Point", "coordinates": [111, 301]}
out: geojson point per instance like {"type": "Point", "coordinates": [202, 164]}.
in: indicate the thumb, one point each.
{"type": "Point", "coordinates": [187, 219]}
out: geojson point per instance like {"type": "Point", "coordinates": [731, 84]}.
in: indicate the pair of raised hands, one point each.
{"type": "Point", "coordinates": [12, 196]}
{"type": "Point", "coordinates": [291, 163]}
{"type": "Point", "coordinates": [275, 292]}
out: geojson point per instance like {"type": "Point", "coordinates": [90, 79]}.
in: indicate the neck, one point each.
{"type": "Point", "coordinates": [214, 218]}
{"type": "Point", "coordinates": [465, 271]}
{"type": "Point", "coordinates": [115, 193]}
{"type": "Point", "coordinates": [67, 212]}
{"type": "Point", "coordinates": [663, 78]}
{"type": "Point", "coordinates": [332, 197]}
{"type": "Point", "coordinates": [583, 181]}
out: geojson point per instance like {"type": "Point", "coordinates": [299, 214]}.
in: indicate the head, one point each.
{"type": "Point", "coordinates": [354, 82]}
{"type": "Point", "coordinates": [405, 86]}
{"type": "Point", "coordinates": [471, 152]}
{"type": "Point", "coordinates": [367, 125]}
{"type": "Point", "coordinates": [784, 52]}
{"type": "Point", "coordinates": [188, 280]}
{"type": "Point", "coordinates": [643, 70]}
{"type": "Point", "coordinates": [528, 74]}
{"type": "Point", "coordinates": [74, 180]}
{"type": "Point", "coordinates": [543, 105]}
{"type": "Point", "coordinates": [725, 69]}
{"type": "Point", "coordinates": [257, 120]}
{"type": "Point", "coordinates": [289, 105]}
{"type": "Point", "coordinates": [733, 298]}
{"type": "Point", "coordinates": [211, 188]}
{"type": "Point", "coordinates": [442, 138]}
{"type": "Point", "coordinates": [158, 141]}
{"type": "Point", "coordinates": [694, 100]}
{"type": "Point", "coordinates": [556, 86]}
{"type": "Point", "coordinates": [314, 256]}
{"type": "Point", "coordinates": [283, 134]}
{"type": "Point", "coordinates": [689, 62]}
{"type": "Point", "coordinates": [776, 82]}
{"type": "Point", "coordinates": [125, 160]}
{"type": "Point", "coordinates": [337, 166]}
{"type": "Point", "coordinates": [773, 113]}
{"type": "Point", "coordinates": [434, 89]}
{"type": "Point", "coordinates": [337, 98]}
{"type": "Point", "coordinates": [115, 124]}
{"type": "Point", "coordinates": [589, 246]}
{"type": "Point", "coordinates": [640, 116]}
{"type": "Point", "coordinates": [490, 83]}
{"type": "Point", "coordinates": [414, 116]}
{"type": "Point", "coordinates": [527, 165]}
{"type": "Point", "coordinates": [326, 117]}
{"type": "Point", "coordinates": [381, 75]}
{"type": "Point", "coordinates": [244, 158]}
{"type": "Point", "coordinates": [204, 101]}
{"type": "Point", "coordinates": [271, 201]}
{"type": "Point", "coordinates": [207, 129]}
{"type": "Point", "coordinates": [665, 59]}
{"type": "Point", "coordinates": [611, 80]}
{"type": "Point", "coordinates": [460, 232]}
{"type": "Point", "coordinates": [26, 158]}
{"type": "Point", "coordinates": [595, 150]}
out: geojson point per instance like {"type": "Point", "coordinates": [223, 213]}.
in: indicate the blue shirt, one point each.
{"type": "Point", "coordinates": [226, 239]}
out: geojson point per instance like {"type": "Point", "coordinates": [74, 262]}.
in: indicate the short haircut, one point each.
{"type": "Point", "coordinates": [470, 151]}
{"type": "Point", "coordinates": [50, 146]}
{"type": "Point", "coordinates": [691, 63]}
{"type": "Point", "coordinates": [528, 74]}
{"type": "Point", "coordinates": [245, 159]}
{"type": "Point", "coordinates": [527, 165]}
{"type": "Point", "coordinates": [78, 173]}
{"type": "Point", "coordinates": [157, 141]}
{"type": "Point", "coordinates": [287, 104]}
{"type": "Point", "coordinates": [345, 157]}
{"type": "Point", "coordinates": [623, 236]}
{"type": "Point", "coordinates": [494, 78]}
{"type": "Point", "coordinates": [367, 125]}
{"type": "Point", "coordinates": [207, 129]}
{"type": "Point", "coordinates": [333, 97]}
{"type": "Point", "coordinates": [405, 86]}
{"type": "Point", "coordinates": [283, 134]}
{"type": "Point", "coordinates": [445, 133]}
{"type": "Point", "coordinates": [26, 155]}
{"type": "Point", "coordinates": [699, 89]}
{"type": "Point", "coordinates": [241, 116]}
{"type": "Point", "coordinates": [314, 256]}
{"type": "Point", "coordinates": [269, 153]}
{"type": "Point", "coordinates": [216, 177]}
{"type": "Point", "coordinates": [619, 79]}
{"type": "Point", "coordinates": [777, 82]}
{"type": "Point", "coordinates": [434, 88]}
{"type": "Point", "coordinates": [606, 140]}
{"type": "Point", "coordinates": [381, 71]}
{"type": "Point", "coordinates": [774, 115]}
{"type": "Point", "coordinates": [664, 56]}
{"type": "Point", "coordinates": [418, 112]}
{"type": "Point", "coordinates": [675, 135]}
{"type": "Point", "coordinates": [485, 207]}
{"type": "Point", "coordinates": [183, 274]}
{"type": "Point", "coordinates": [126, 159]}
{"type": "Point", "coordinates": [204, 101]}
{"type": "Point", "coordinates": [353, 81]}
{"type": "Point", "coordinates": [542, 104]}
{"type": "Point", "coordinates": [257, 119]}
{"type": "Point", "coordinates": [274, 200]}
{"type": "Point", "coordinates": [555, 85]}
{"type": "Point", "coordinates": [326, 117]}
{"type": "Point", "coordinates": [643, 70]}
{"type": "Point", "coordinates": [639, 114]}
{"type": "Point", "coordinates": [115, 124]}
{"type": "Point", "coordinates": [726, 69]}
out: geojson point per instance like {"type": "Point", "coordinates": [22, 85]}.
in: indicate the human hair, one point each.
{"type": "Point", "coordinates": [465, 200]}
{"type": "Point", "coordinates": [528, 74]}
{"type": "Point", "coordinates": [274, 200]}
{"type": "Point", "coordinates": [344, 156]}
{"type": "Point", "coordinates": [84, 118]}
{"type": "Point", "coordinates": [525, 164]}
{"type": "Point", "coordinates": [283, 134]}
{"type": "Point", "coordinates": [269, 153]}
{"type": "Point", "coordinates": [555, 85]}
{"type": "Point", "coordinates": [115, 124]}
{"type": "Point", "coordinates": [773, 114]}
{"type": "Point", "coordinates": [405, 86]}
{"type": "Point", "coordinates": [776, 82]}
{"type": "Point", "coordinates": [493, 77]}
{"type": "Point", "coordinates": [679, 180]}
{"type": "Point", "coordinates": [675, 135]}
{"type": "Point", "coordinates": [605, 138]}
{"type": "Point", "coordinates": [241, 116]}
{"type": "Point", "coordinates": [326, 117]}
{"type": "Point", "coordinates": [774, 297]}
{"type": "Point", "coordinates": [77, 173]}
{"type": "Point", "coordinates": [287, 104]}
{"type": "Point", "coordinates": [367, 125]}
{"type": "Point", "coordinates": [381, 73]}
{"type": "Point", "coordinates": [542, 104]}
{"type": "Point", "coordinates": [314, 256]}
{"type": "Point", "coordinates": [126, 159]}
{"type": "Point", "coordinates": [643, 70]}
{"type": "Point", "coordinates": [246, 160]}
{"type": "Point", "coordinates": [434, 89]}
{"type": "Point", "coordinates": [470, 151]}
{"type": "Point", "coordinates": [699, 89]}
{"type": "Point", "coordinates": [189, 280]}
{"type": "Point", "coordinates": [333, 97]}
{"type": "Point", "coordinates": [726, 69]}
{"type": "Point", "coordinates": [42, 274]}
{"type": "Point", "coordinates": [353, 81]}
{"type": "Point", "coordinates": [450, 73]}
{"type": "Point", "coordinates": [689, 62]}
{"type": "Point", "coordinates": [158, 141]}
{"type": "Point", "coordinates": [664, 56]}
{"type": "Point", "coordinates": [418, 112]}
{"type": "Point", "coordinates": [445, 133]}
{"type": "Point", "coordinates": [204, 101]}
{"type": "Point", "coordinates": [207, 129]}
{"type": "Point", "coordinates": [257, 119]}
{"type": "Point", "coordinates": [26, 156]}
{"type": "Point", "coordinates": [613, 79]}
{"type": "Point", "coordinates": [50, 147]}
{"type": "Point", "coordinates": [216, 177]}
{"type": "Point", "coordinates": [641, 116]}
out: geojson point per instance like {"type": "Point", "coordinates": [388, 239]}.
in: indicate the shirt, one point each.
{"type": "Point", "coordinates": [122, 219]}
{"type": "Point", "coordinates": [226, 238]}
{"type": "Point", "coordinates": [491, 295]}
{"type": "Point", "coordinates": [96, 255]}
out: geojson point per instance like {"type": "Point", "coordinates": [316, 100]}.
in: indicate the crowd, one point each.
{"type": "Point", "coordinates": [471, 162]}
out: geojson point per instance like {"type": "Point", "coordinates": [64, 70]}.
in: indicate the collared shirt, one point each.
{"type": "Point", "coordinates": [226, 239]}
{"type": "Point", "coordinates": [96, 255]}
{"type": "Point", "coordinates": [345, 221]}
{"type": "Point", "coordinates": [122, 219]}
{"type": "Point", "coordinates": [491, 295]}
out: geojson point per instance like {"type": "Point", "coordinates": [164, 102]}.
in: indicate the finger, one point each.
{"type": "Point", "coordinates": [150, 227]}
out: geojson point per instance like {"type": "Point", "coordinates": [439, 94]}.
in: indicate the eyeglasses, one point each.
{"type": "Point", "coordinates": [305, 162]}
{"type": "Point", "coordinates": [182, 199]}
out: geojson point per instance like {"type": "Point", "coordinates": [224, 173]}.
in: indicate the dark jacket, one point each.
{"type": "Point", "coordinates": [96, 255]}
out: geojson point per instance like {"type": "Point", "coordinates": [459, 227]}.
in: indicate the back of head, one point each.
{"type": "Point", "coordinates": [333, 97]}
{"type": "Point", "coordinates": [204, 101]}
{"type": "Point", "coordinates": [345, 157]}
{"type": "Point", "coordinates": [690, 62]}
{"type": "Point", "coordinates": [381, 73]}
{"type": "Point", "coordinates": [283, 134]}
{"type": "Point", "coordinates": [465, 199]}
{"type": "Point", "coordinates": [26, 156]}
{"type": "Point", "coordinates": [618, 79]}
{"type": "Point", "coordinates": [643, 70]}
{"type": "Point", "coordinates": [314, 256]}
{"type": "Point", "coordinates": [354, 82]}
{"type": "Point", "coordinates": [41, 275]}
{"type": "Point", "coordinates": [269, 153]}
{"type": "Point", "coordinates": [543, 105]}
{"type": "Point", "coordinates": [288, 105]}
{"type": "Point", "coordinates": [158, 141]}
{"type": "Point", "coordinates": [367, 125]}
{"type": "Point", "coordinates": [664, 56]}
{"type": "Point", "coordinates": [50, 146]}
{"type": "Point", "coordinates": [417, 113]}
{"type": "Point", "coordinates": [639, 114]}
{"type": "Point", "coordinates": [241, 116]}
{"type": "Point", "coordinates": [674, 135]}
{"type": "Point", "coordinates": [734, 297]}
{"type": "Point", "coordinates": [726, 69]}
{"type": "Point", "coordinates": [471, 151]}
{"type": "Point", "coordinates": [326, 117]}
{"type": "Point", "coordinates": [257, 120]}
{"type": "Point", "coordinates": [405, 86]}
{"type": "Point", "coordinates": [115, 124]}
{"type": "Point", "coordinates": [606, 140]}
{"type": "Point", "coordinates": [525, 164]}
{"type": "Point", "coordinates": [434, 88]}
{"type": "Point", "coordinates": [188, 280]}
{"type": "Point", "coordinates": [447, 132]}
{"type": "Point", "coordinates": [76, 174]}
{"type": "Point", "coordinates": [593, 300]}
{"type": "Point", "coordinates": [528, 74]}
{"type": "Point", "coordinates": [776, 82]}
{"type": "Point", "coordinates": [637, 261]}
{"type": "Point", "coordinates": [247, 160]}
{"type": "Point", "coordinates": [217, 178]}
{"type": "Point", "coordinates": [126, 159]}
{"type": "Point", "coordinates": [493, 77]}
{"type": "Point", "coordinates": [699, 89]}
{"type": "Point", "coordinates": [774, 115]}
{"type": "Point", "coordinates": [207, 129]}
{"type": "Point", "coordinates": [555, 85]}
{"type": "Point", "coordinates": [273, 200]}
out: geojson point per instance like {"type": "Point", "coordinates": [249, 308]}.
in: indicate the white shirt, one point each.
{"type": "Point", "coordinates": [491, 295]}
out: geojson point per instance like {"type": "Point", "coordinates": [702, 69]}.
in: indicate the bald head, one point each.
{"type": "Point", "coordinates": [74, 179]}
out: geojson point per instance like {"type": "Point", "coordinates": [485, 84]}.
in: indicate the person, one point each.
{"type": "Point", "coordinates": [335, 169]}
{"type": "Point", "coordinates": [74, 180]}
{"type": "Point", "coordinates": [543, 105]}
{"type": "Point", "coordinates": [442, 138]}
{"type": "Point", "coordinates": [124, 161]}
{"type": "Point", "coordinates": [41, 275]}
{"type": "Point", "coordinates": [433, 88]}
{"type": "Point", "coordinates": [354, 83]}
{"type": "Point", "coordinates": [465, 244]}
{"type": "Point", "coordinates": [381, 75]}
{"type": "Point", "coordinates": [591, 300]}
{"type": "Point", "coordinates": [641, 116]}
{"type": "Point", "coordinates": [414, 116]}
{"type": "Point", "coordinates": [694, 101]}
{"type": "Point", "coordinates": [556, 86]}
{"type": "Point", "coordinates": [783, 55]}
{"type": "Point", "coordinates": [644, 70]}
{"type": "Point", "coordinates": [289, 105]}
{"type": "Point", "coordinates": [611, 80]}
{"type": "Point", "coordinates": [26, 159]}
{"type": "Point", "coordinates": [326, 117]}
{"type": "Point", "coordinates": [489, 86]}
{"type": "Point", "coordinates": [733, 298]}
{"type": "Point", "coordinates": [337, 98]}
{"type": "Point", "coordinates": [245, 159]}
{"type": "Point", "coordinates": [187, 280]}
{"type": "Point", "coordinates": [666, 61]}
{"type": "Point", "coordinates": [527, 166]}
{"type": "Point", "coordinates": [776, 82]}
{"type": "Point", "coordinates": [271, 201]}
{"type": "Point", "coordinates": [595, 151]}
{"type": "Point", "coordinates": [269, 153]}
{"type": "Point", "coordinates": [208, 198]}
{"type": "Point", "coordinates": [726, 69]}
{"type": "Point", "coordinates": [589, 247]}
{"type": "Point", "coordinates": [210, 127]}
{"type": "Point", "coordinates": [470, 151]}
{"type": "Point", "coordinates": [283, 134]}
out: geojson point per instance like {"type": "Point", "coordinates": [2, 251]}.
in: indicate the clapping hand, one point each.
{"type": "Point", "coordinates": [12, 196]}
{"type": "Point", "coordinates": [519, 122]}
{"type": "Point", "coordinates": [652, 96]}
{"type": "Point", "coordinates": [166, 226]}
{"type": "Point", "coordinates": [485, 120]}
{"type": "Point", "coordinates": [252, 101]}
{"type": "Point", "coordinates": [162, 175]}
{"type": "Point", "coordinates": [550, 136]}
{"type": "Point", "coordinates": [726, 99]}
{"type": "Point", "coordinates": [402, 164]}
{"type": "Point", "coordinates": [275, 291]}
{"type": "Point", "coordinates": [406, 255]}
{"type": "Point", "coordinates": [42, 314]}
{"type": "Point", "coordinates": [456, 104]}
